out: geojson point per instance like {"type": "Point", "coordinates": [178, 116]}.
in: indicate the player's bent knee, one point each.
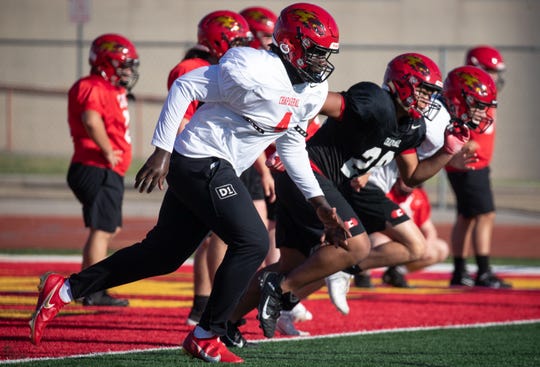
{"type": "Point", "coordinates": [359, 247]}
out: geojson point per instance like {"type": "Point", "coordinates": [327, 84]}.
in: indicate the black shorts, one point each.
{"type": "Point", "coordinates": [373, 207]}
{"type": "Point", "coordinates": [252, 179]}
{"type": "Point", "coordinates": [101, 192]}
{"type": "Point", "coordinates": [298, 225]}
{"type": "Point", "coordinates": [270, 210]}
{"type": "Point", "coordinates": [473, 192]}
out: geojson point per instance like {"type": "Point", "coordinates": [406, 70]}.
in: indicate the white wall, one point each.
{"type": "Point", "coordinates": [372, 32]}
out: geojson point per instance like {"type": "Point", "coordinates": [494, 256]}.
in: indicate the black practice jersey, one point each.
{"type": "Point", "coordinates": [367, 136]}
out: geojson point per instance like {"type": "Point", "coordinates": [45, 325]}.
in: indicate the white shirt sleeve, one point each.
{"type": "Point", "coordinates": [201, 84]}
{"type": "Point", "coordinates": [291, 148]}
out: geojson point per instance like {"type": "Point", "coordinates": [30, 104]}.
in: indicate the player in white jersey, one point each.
{"type": "Point", "coordinates": [252, 98]}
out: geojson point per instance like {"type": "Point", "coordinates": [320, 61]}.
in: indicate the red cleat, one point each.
{"type": "Point", "coordinates": [48, 305]}
{"type": "Point", "coordinates": [209, 350]}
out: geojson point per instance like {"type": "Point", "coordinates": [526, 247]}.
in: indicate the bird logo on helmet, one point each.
{"type": "Point", "coordinates": [417, 64]}
{"type": "Point", "coordinates": [473, 84]}
{"type": "Point", "coordinates": [309, 20]}
{"type": "Point", "coordinates": [227, 22]}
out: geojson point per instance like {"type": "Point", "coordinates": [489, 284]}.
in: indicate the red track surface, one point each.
{"type": "Point", "coordinates": [81, 330]}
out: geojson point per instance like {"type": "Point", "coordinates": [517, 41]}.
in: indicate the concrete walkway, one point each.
{"type": "Point", "coordinates": [49, 195]}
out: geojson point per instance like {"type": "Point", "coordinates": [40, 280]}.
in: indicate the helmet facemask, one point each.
{"type": "Point", "coordinates": [312, 64]}
{"type": "Point", "coordinates": [417, 97]}
{"type": "Point", "coordinates": [127, 73]}
{"type": "Point", "coordinates": [319, 68]}
{"type": "Point", "coordinates": [478, 115]}
{"type": "Point", "coordinates": [425, 95]}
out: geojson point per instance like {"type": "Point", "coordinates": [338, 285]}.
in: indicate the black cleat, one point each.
{"type": "Point", "coordinates": [233, 337]}
{"type": "Point", "coordinates": [103, 298]}
{"type": "Point", "coordinates": [461, 279]}
{"type": "Point", "coordinates": [392, 276]}
{"type": "Point", "coordinates": [490, 280]}
{"type": "Point", "coordinates": [363, 280]}
{"type": "Point", "coordinates": [270, 304]}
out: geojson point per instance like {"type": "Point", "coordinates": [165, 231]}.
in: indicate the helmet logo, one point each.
{"type": "Point", "coordinates": [417, 64]}
{"type": "Point", "coordinates": [113, 47]}
{"type": "Point", "coordinates": [310, 20]}
{"type": "Point", "coordinates": [473, 84]}
{"type": "Point", "coordinates": [228, 22]}
{"type": "Point", "coordinates": [259, 17]}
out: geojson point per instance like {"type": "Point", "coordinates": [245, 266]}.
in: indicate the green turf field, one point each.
{"type": "Point", "coordinates": [493, 346]}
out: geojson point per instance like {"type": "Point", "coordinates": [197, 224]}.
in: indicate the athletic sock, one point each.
{"type": "Point", "coordinates": [65, 292]}
{"type": "Point", "coordinates": [459, 264]}
{"type": "Point", "coordinates": [199, 303]}
{"type": "Point", "coordinates": [200, 333]}
{"type": "Point", "coordinates": [483, 263]}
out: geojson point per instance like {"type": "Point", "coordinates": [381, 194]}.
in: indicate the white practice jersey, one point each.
{"type": "Point", "coordinates": [249, 102]}
{"type": "Point", "coordinates": [385, 177]}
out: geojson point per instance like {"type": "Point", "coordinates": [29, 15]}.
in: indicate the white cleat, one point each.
{"type": "Point", "coordinates": [338, 286]}
{"type": "Point", "coordinates": [285, 325]}
{"type": "Point", "coordinates": [299, 313]}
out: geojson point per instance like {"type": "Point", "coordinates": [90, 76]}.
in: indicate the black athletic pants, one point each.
{"type": "Point", "coordinates": [204, 194]}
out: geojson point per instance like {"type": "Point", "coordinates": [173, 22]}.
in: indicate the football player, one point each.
{"type": "Point", "coordinates": [216, 33]}
{"type": "Point", "coordinates": [244, 111]}
{"type": "Point", "coordinates": [98, 118]}
{"type": "Point", "coordinates": [472, 184]}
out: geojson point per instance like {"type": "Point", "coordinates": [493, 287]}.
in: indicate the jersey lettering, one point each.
{"type": "Point", "coordinates": [374, 157]}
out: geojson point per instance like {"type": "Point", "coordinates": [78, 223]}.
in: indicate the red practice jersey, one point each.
{"type": "Point", "coordinates": [416, 205]}
{"type": "Point", "coordinates": [95, 93]}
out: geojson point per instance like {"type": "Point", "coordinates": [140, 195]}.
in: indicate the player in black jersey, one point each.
{"type": "Point", "coordinates": [368, 126]}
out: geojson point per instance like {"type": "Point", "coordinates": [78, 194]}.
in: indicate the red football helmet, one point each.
{"type": "Point", "coordinates": [306, 35]}
{"type": "Point", "coordinates": [223, 29]}
{"type": "Point", "coordinates": [489, 59]}
{"type": "Point", "coordinates": [470, 95]}
{"type": "Point", "coordinates": [261, 23]}
{"type": "Point", "coordinates": [115, 58]}
{"type": "Point", "coordinates": [411, 78]}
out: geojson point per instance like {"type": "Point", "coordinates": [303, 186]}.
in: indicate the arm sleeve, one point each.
{"type": "Point", "coordinates": [291, 148]}
{"type": "Point", "coordinates": [198, 85]}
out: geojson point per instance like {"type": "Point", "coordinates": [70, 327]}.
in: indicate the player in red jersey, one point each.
{"type": "Point", "coordinates": [472, 188]}
{"type": "Point", "coordinates": [98, 119]}
{"type": "Point", "coordinates": [415, 203]}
